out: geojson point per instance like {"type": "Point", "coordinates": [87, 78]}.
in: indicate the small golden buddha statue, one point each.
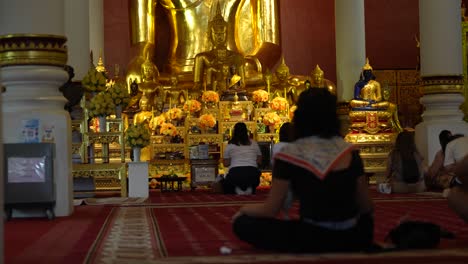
{"type": "Point", "coordinates": [144, 115]}
{"type": "Point", "coordinates": [286, 85]}
{"type": "Point", "coordinates": [319, 81]}
{"type": "Point", "coordinates": [367, 91]}
{"type": "Point", "coordinates": [370, 112]}
{"type": "Point", "coordinates": [213, 62]}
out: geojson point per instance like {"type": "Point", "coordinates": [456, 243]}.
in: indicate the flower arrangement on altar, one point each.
{"type": "Point", "coordinates": [137, 136]}
{"type": "Point", "coordinates": [119, 94]}
{"type": "Point", "coordinates": [279, 104]}
{"type": "Point", "coordinates": [260, 96]}
{"type": "Point", "coordinates": [168, 129]}
{"type": "Point", "coordinates": [101, 105]}
{"type": "Point", "coordinates": [210, 97]}
{"type": "Point", "coordinates": [207, 121]}
{"type": "Point", "coordinates": [192, 106]}
{"type": "Point", "coordinates": [291, 112]}
{"type": "Point", "coordinates": [271, 119]}
{"type": "Point", "coordinates": [157, 121]}
{"type": "Point", "coordinates": [174, 113]}
{"type": "Point", "coordinates": [94, 81]}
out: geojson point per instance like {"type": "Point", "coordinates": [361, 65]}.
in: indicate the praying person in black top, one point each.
{"type": "Point", "coordinates": [327, 177]}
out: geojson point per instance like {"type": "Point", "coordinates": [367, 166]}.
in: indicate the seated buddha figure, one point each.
{"type": "Point", "coordinates": [318, 80]}
{"type": "Point", "coordinates": [179, 26]}
{"type": "Point", "coordinates": [367, 91]}
{"type": "Point", "coordinates": [370, 112]}
{"type": "Point", "coordinates": [147, 86]}
{"type": "Point", "coordinates": [213, 65]}
{"type": "Point", "coordinates": [286, 85]}
{"type": "Point", "coordinates": [144, 115]}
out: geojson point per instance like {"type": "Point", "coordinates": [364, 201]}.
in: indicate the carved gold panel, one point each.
{"type": "Point", "coordinates": [388, 77]}
{"type": "Point", "coordinates": [106, 176]}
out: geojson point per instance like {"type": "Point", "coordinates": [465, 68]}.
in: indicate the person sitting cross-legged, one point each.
{"type": "Point", "coordinates": [326, 174]}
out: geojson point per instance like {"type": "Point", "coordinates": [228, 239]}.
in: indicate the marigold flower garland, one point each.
{"type": "Point", "coordinates": [207, 121]}
{"type": "Point", "coordinates": [174, 113]}
{"type": "Point", "coordinates": [157, 121]}
{"type": "Point", "coordinates": [279, 104]}
{"type": "Point", "coordinates": [260, 96]}
{"type": "Point", "coordinates": [137, 136]}
{"type": "Point", "coordinates": [192, 106]}
{"type": "Point", "coordinates": [271, 119]}
{"type": "Point", "coordinates": [168, 129]}
{"type": "Point", "coordinates": [210, 97]}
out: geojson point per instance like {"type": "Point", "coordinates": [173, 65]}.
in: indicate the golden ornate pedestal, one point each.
{"type": "Point", "coordinates": [374, 150]}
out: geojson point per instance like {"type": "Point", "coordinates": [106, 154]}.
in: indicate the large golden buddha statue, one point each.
{"type": "Point", "coordinates": [213, 65]}
{"type": "Point", "coordinates": [253, 27]}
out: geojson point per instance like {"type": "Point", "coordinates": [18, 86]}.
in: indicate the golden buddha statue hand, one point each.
{"type": "Point", "coordinates": [367, 91]}
{"type": "Point", "coordinates": [318, 80]}
{"type": "Point", "coordinates": [252, 33]}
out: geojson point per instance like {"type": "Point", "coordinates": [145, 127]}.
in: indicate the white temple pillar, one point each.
{"type": "Point", "coordinates": [32, 74]}
{"type": "Point", "coordinates": [77, 24]}
{"type": "Point", "coordinates": [84, 28]}
{"type": "Point", "coordinates": [350, 40]}
{"type": "Point", "coordinates": [441, 73]}
{"type": "Point", "coordinates": [96, 28]}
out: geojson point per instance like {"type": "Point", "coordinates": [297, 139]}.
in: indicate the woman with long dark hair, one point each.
{"type": "Point", "coordinates": [404, 167]}
{"type": "Point", "coordinates": [242, 155]}
{"type": "Point", "coordinates": [326, 175]}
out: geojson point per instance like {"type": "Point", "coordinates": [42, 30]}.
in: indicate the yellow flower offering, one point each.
{"type": "Point", "coordinates": [271, 119]}
{"type": "Point", "coordinates": [279, 104]}
{"type": "Point", "coordinates": [174, 113]}
{"type": "Point", "coordinates": [207, 120]}
{"type": "Point", "coordinates": [168, 129]}
{"type": "Point", "coordinates": [260, 96]}
{"type": "Point", "coordinates": [210, 96]}
{"type": "Point", "coordinates": [192, 106]}
{"type": "Point", "coordinates": [291, 112]}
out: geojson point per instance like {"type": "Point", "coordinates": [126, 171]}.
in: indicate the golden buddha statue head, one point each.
{"type": "Point", "coordinates": [367, 66]}
{"type": "Point", "coordinates": [317, 77]}
{"type": "Point", "coordinates": [218, 28]}
{"type": "Point", "coordinates": [149, 71]}
{"type": "Point", "coordinates": [144, 103]}
{"type": "Point", "coordinates": [282, 72]}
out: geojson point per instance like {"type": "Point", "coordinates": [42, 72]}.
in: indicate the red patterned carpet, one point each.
{"type": "Point", "coordinates": [190, 227]}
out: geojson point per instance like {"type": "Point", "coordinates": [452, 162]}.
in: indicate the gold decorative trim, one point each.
{"type": "Point", "coordinates": [33, 49]}
{"type": "Point", "coordinates": [442, 84]}
{"type": "Point", "coordinates": [362, 138]}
